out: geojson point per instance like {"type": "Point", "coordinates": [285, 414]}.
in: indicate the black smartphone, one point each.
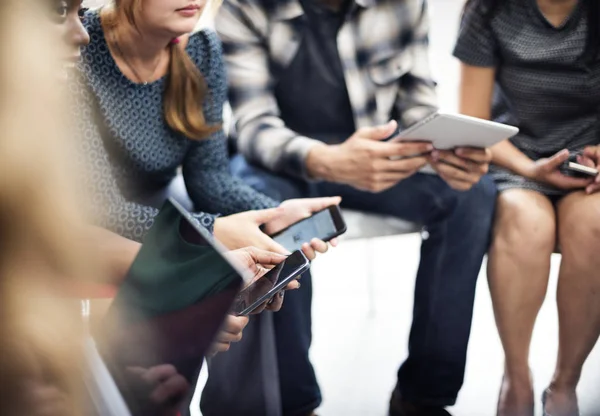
{"type": "Point", "coordinates": [324, 225]}
{"type": "Point", "coordinates": [273, 282]}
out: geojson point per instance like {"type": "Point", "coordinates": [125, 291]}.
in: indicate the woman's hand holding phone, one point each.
{"type": "Point", "coordinates": [547, 171]}
{"type": "Point", "coordinates": [591, 158]}
{"type": "Point", "coordinates": [244, 229]}
{"type": "Point", "coordinates": [258, 262]}
{"type": "Point", "coordinates": [231, 331]}
{"type": "Point", "coordinates": [294, 210]}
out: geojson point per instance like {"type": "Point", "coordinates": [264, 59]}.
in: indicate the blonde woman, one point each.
{"type": "Point", "coordinates": [159, 93]}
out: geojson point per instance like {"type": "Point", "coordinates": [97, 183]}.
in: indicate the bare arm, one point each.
{"type": "Point", "coordinates": [476, 90]}
{"type": "Point", "coordinates": [116, 253]}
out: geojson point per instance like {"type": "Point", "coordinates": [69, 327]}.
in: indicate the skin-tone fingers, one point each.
{"type": "Point", "coordinates": [265, 258]}
{"type": "Point", "coordinates": [452, 159]}
{"type": "Point", "coordinates": [378, 132]}
{"type": "Point", "coordinates": [406, 149]}
{"type": "Point", "coordinates": [309, 252]}
{"type": "Point", "coordinates": [319, 246]}
{"type": "Point", "coordinates": [276, 302]}
{"type": "Point", "coordinates": [173, 388]}
{"type": "Point", "coordinates": [567, 182]}
{"type": "Point", "coordinates": [227, 337]}
{"type": "Point", "coordinates": [293, 285]}
{"type": "Point", "coordinates": [456, 173]}
{"type": "Point", "coordinates": [271, 245]}
{"type": "Point", "coordinates": [264, 215]}
{"type": "Point", "coordinates": [586, 161]}
{"type": "Point", "coordinates": [457, 184]}
{"type": "Point", "coordinates": [593, 188]}
{"type": "Point", "coordinates": [593, 153]}
{"type": "Point", "coordinates": [474, 155]}
{"type": "Point", "coordinates": [318, 204]}
{"type": "Point", "coordinates": [235, 324]}
{"type": "Point", "coordinates": [555, 161]}
{"type": "Point", "coordinates": [401, 166]}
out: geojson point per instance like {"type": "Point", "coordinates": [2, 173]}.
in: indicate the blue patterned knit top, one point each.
{"type": "Point", "coordinates": [144, 152]}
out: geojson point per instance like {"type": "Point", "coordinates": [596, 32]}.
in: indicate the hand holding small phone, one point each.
{"type": "Point", "coordinates": [324, 225]}
{"type": "Point", "coordinates": [295, 210]}
{"type": "Point", "coordinates": [552, 171]}
{"type": "Point", "coordinates": [263, 289]}
{"type": "Point", "coordinates": [591, 159]}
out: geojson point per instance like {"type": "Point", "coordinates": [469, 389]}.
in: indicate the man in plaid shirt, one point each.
{"type": "Point", "coordinates": [313, 87]}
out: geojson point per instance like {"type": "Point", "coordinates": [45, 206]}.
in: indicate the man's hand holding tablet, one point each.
{"type": "Point", "coordinates": [461, 168]}
{"type": "Point", "coordinates": [366, 161]}
{"type": "Point", "coordinates": [462, 155]}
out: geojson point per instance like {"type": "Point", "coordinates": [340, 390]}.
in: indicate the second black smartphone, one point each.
{"type": "Point", "coordinates": [273, 282]}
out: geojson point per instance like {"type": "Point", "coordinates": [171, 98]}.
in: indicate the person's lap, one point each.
{"type": "Point", "coordinates": [418, 199]}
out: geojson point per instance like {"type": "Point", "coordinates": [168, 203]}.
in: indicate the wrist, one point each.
{"type": "Point", "coordinates": [526, 169]}
{"type": "Point", "coordinates": [318, 162]}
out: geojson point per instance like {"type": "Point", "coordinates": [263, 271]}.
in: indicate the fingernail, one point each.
{"type": "Point", "coordinates": [299, 285]}
{"type": "Point", "coordinates": [429, 147]}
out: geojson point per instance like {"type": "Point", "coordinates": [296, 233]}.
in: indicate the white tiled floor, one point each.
{"type": "Point", "coordinates": [357, 356]}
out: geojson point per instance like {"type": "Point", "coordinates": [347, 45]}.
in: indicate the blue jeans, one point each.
{"type": "Point", "coordinates": [458, 224]}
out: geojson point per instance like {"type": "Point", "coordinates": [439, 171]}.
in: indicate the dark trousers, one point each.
{"type": "Point", "coordinates": [458, 225]}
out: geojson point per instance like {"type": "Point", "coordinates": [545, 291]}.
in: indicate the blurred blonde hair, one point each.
{"type": "Point", "coordinates": [40, 240]}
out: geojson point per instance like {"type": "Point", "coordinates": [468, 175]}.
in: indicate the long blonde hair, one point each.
{"type": "Point", "coordinates": [39, 219]}
{"type": "Point", "coordinates": [186, 89]}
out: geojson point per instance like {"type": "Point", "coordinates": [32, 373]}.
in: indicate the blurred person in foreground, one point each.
{"type": "Point", "coordinates": [313, 87]}
{"type": "Point", "coordinates": [42, 242]}
{"type": "Point", "coordinates": [536, 64]}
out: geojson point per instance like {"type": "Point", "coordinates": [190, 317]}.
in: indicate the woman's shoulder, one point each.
{"type": "Point", "coordinates": [204, 47]}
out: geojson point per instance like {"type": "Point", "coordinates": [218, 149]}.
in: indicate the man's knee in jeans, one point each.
{"type": "Point", "coordinates": [481, 201]}
{"type": "Point", "coordinates": [477, 208]}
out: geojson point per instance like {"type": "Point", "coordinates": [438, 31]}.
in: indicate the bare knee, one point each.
{"type": "Point", "coordinates": [579, 226]}
{"type": "Point", "coordinates": [525, 223]}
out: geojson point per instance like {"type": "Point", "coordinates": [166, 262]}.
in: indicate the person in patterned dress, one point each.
{"type": "Point", "coordinates": [535, 64]}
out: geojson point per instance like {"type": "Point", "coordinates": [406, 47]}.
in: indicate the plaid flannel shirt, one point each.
{"type": "Point", "coordinates": [383, 47]}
